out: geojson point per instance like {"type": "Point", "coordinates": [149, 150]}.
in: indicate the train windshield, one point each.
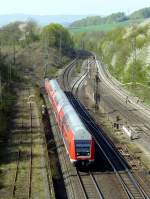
{"type": "Point", "coordinates": [82, 147]}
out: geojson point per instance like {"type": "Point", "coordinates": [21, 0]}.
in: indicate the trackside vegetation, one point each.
{"type": "Point", "coordinates": [7, 76]}
{"type": "Point", "coordinates": [26, 47]}
{"type": "Point", "coordinates": [55, 35]}
{"type": "Point", "coordinates": [28, 53]}
{"type": "Point", "coordinates": [125, 52]}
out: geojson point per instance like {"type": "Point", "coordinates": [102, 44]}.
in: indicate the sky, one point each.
{"type": "Point", "coordinates": [71, 7]}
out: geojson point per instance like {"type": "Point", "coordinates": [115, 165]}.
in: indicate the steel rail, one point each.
{"type": "Point", "coordinates": [97, 187]}
{"type": "Point", "coordinates": [15, 186]}
{"type": "Point", "coordinates": [80, 80]}
{"type": "Point", "coordinates": [83, 187]}
{"type": "Point", "coordinates": [122, 181]}
{"type": "Point", "coordinates": [16, 175]}
{"type": "Point", "coordinates": [66, 72]}
{"type": "Point", "coordinates": [31, 149]}
{"type": "Point", "coordinates": [137, 186]}
{"type": "Point", "coordinates": [129, 173]}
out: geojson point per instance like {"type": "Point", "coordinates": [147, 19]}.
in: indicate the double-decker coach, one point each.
{"type": "Point", "coordinates": [78, 141]}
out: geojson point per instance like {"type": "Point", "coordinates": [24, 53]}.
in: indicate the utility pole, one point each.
{"type": "Point", "coordinates": [9, 72]}
{"type": "Point", "coordinates": [46, 64]}
{"type": "Point", "coordinates": [133, 43]}
{"type": "Point", "coordinates": [46, 56]}
{"type": "Point", "coordinates": [1, 99]}
{"type": "Point", "coordinates": [0, 50]}
{"type": "Point", "coordinates": [82, 44]}
{"type": "Point", "coordinates": [96, 90]}
{"type": "Point", "coordinates": [60, 45]}
{"type": "Point", "coordinates": [14, 53]}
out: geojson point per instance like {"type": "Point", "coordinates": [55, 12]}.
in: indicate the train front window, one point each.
{"type": "Point", "coordinates": [82, 148]}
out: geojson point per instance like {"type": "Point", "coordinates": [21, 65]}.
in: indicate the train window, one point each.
{"type": "Point", "coordinates": [82, 147]}
{"type": "Point", "coordinates": [82, 152]}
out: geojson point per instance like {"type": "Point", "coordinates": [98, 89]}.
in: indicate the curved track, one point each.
{"type": "Point", "coordinates": [121, 169]}
{"type": "Point", "coordinates": [130, 185]}
{"type": "Point", "coordinates": [77, 84]}
{"type": "Point", "coordinates": [67, 74]}
{"type": "Point", "coordinates": [88, 184]}
{"type": "Point", "coordinates": [131, 112]}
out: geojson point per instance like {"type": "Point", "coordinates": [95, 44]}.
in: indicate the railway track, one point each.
{"type": "Point", "coordinates": [28, 174]}
{"type": "Point", "coordinates": [87, 182]}
{"type": "Point", "coordinates": [127, 180]}
{"type": "Point", "coordinates": [66, 167]}
{"type": "Point", "coordinates": [130, 185]}
{"type": "Point", "coordinates": [133, 113]}
{"type": "Point", "coordinates": [75, 87]}
{"type": "Point", "coordinates": [89, 185]}
{"type": "Point", "coordinates": [21, 187]}
{"type": "Point", "coordinates": [66, 74]}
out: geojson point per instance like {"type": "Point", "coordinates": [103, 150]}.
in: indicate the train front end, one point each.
{"type": "Point", "coordinates": [85, 151]}
{"type": "Point", "coordinates": [82, 143]}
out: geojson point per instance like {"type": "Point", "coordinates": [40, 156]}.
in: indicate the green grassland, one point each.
{"type": "Point", "coordinates": [103, 27]}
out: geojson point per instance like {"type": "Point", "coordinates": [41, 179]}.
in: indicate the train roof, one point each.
{"type": "Point", "coordinates": [71, 117]}
{"type": "Point", "coordinates": [54, 84]}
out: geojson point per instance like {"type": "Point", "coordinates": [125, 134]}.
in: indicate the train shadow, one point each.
{"type": "Point", "coordinates": [99, 165]}
{"type": "Point", "coordinates": [58, 182]}
{"type": "Point", "coordinates": [105, 150]}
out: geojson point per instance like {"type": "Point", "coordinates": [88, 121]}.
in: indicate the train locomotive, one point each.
{"type": "Point", "coordinates": [78, 141]}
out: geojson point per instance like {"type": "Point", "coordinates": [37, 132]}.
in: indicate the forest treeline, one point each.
{"type": "Point", "coordinates": [113, 18]}
{"type": "Point", "coordinates": [25, 46]}
{"type": "Point", "coordinates": [125, 51]}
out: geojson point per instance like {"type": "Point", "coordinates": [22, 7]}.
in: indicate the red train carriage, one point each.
{"type": "Point", "coordinates": [78, 141]}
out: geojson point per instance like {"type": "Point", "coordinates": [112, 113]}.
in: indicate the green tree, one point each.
{"type": "Point", "coordinates": [55, 35]}
{"type": "Point", "coordinates": [19, 33]}
{"type": "Point", "coordinates": [30, 32]}
{"type": "Point", "coordinates": [10, 33]}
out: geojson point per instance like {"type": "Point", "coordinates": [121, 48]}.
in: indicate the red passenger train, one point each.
{"type": "Point", "coordinates": [78, 141]}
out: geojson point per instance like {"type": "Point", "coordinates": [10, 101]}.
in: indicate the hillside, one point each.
{"type": "Point", "coordinates": [111, 19]}
{"type": "Point", "coordinates": [104, 27]}
{"type": "Point", "coordinates": [126, 53]}
{"type": "Point", "coordinates": [141, 14]}
{"type": "Point", "coordinates": [97, 20]}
